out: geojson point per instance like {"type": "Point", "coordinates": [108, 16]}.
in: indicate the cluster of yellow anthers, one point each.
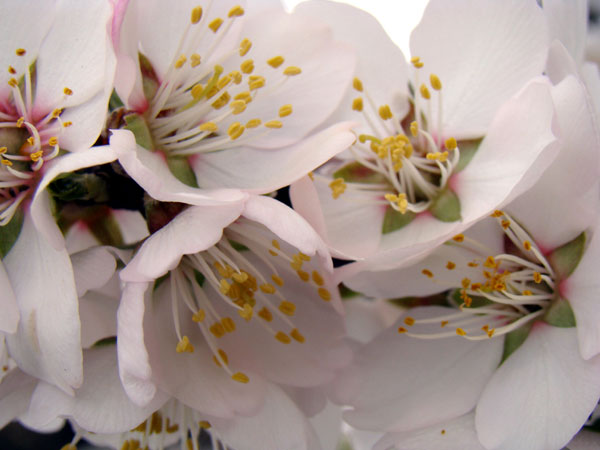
{"type": "Point", "coordinates": [29, 141]}
{"type": "Point", "coordinates": [191, 93]}
{"type": "Point", "coordinates": [518, 287]}
{"type": "Point", "coordinates": [244, 288]}
{"type": "Point", "coordinates": [414, 162]}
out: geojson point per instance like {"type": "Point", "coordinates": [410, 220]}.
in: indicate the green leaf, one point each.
{"type": "Point", "coordinates": [467, 151]}
{"type": "Point", "coordinates": [446, 207]}
{"type": "Point", "coordinates": [394, 220]}
{"type": "Point", "coordinates": [564, 259]}
{"type": "Point", "coordinates": [355, 172]}
{"type": "Point", "coordinates": [137, 125]}
{"type": "Point", "coordinates": [10, 232]}
{"type": "Point", "coordinates": [181, 169]}
{"type": "Point", "coordinates": [560, 314]}
{"type": "Point", "coordinates": [514, 339]}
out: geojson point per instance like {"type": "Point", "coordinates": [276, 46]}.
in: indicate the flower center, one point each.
{"type": "Point", "coordinates": [27, 140]}
{"type": "Point", "coordinates": [225, 287]}
{"type": "Point", "coordinates": [511, 289]}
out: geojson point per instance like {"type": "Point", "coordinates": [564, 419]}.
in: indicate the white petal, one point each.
{"type": "Point", "coordinates": [47, 343]}
{"type": "Point", "coordinates": [15, 394]}
{"type": "Point", "coordinates": [483, 53]}
{"type": "Point", "coordinates": [567, 20]}
{"type": "Point", "coordinates": [98, 314]}
{"type": "Point", "coordinates": [92, 268]}
{"type": "Point", "coordinates": [132, 224]}
{"type": "Point", "coordinates": [532, 401]}
{"type": "Point", "coordinates": [366, 318]}
{"type": "Point", "coordinates": [389, 393]}
{"type": "Point", "coordinates": [9, 319]}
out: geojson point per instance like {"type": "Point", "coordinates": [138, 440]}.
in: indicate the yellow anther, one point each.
{"type": "Point", "coordinates": [235, 130]}
{"type": "Point", "coordinates": [277, 280]}
{"type": "Point", "coordinates": [196, 14]}
{"type": "Point", "coordinates": [225, 272]}
{"type": "Point", "coordinates": [288, 308]}
{"type": "Point", "coordinates": [436, 84]}
{"type": "Point", "coordinates": [401, 330]}
{"type": "Point", "coordinates": [215, 24]}
{"type": "Point", "coordinates": [459, 238]}
{"type": "Point", "coordinates": [221, 101]}
{"type": "Point", "coordinates": [12, 70]}
{"type": "Point", "coordinates": [67, 91]}
{"type": "Point", "coordinates": [324, 294]}
{"type": "Point", "coordinates": [53, 141]}
{"type": "Point", "coordinates": [450, 265]}
{"type": "Point", "coordinates": [208, 126]}
{"type": "Point", "coordinates": [537, 277]}
{"type": "Point", "coordinates": [304, 276]}
{"type": "Point", "coordinates": [224, 286]}
{"type": "Point", "coordinates": [228, 324]}
{"type": "Point", "coordinates": [236, 76]}
{"type": "Point", "coordinates": [236, 11]}
{"type": "Point", "coordinates": [451, 143]}
{"type": "Point", "coordinates": [204, 425]}
{"type": "Point", "coordinates": [490, 332]}
{"type": "Point", "coordinates": [56, 113]}
{"type": "Point", "coordinates": [414, 129]}
{"type": "Point", "coordinates": [253, 123]}
{"type": "Point", "coordinates": [282, 337]}
{"type": "Point", "coordinates": [292, 70]}
{"type": "Point", "coordinates": [199, 316]}
{"type": "Point", "coordinates": [461, 332]}
{"type": "Point", "coordinates": [490, 262]}
{"type": "Point", "coordinates": [217, 330]}
{"type": "Point", "coordinates": [465, 282]}
{"type": "Point", "coordinates": [275, 243]}
{"type": "Point", "coordinates": [223, 356]}
{"type": "Point", "coordinates": [30, 140]}
{"type": "Point", "coordinates": [317, 278]}
{"type": "Point", "coordinates": [265, 314]}
{"type": "Point", "coordinates": [68, 447]}
{"type": "Point", "coordinates": [245, 46]}
{"type": "Point", "coordinates": [6, 162]}
{"type": "Point", "coordinates": [20, 122]}
{"type": "Point", "coordinates": [267, 288]}
{"type": "Point", "coordinates": [271, 252]}
{"type": "Point", "coordinates": [303, 257]}
{"type": "Point", "coordinates": [357, 84]}
{"type": "Point", "coordinates": [497, 214]}
{"type": "Point", "coordinates": [246, 96]}
{"type": "Point", "coordinates": [238, 106]}
{"type": "Point", "coordinates": [527, 292]}
{"type": "Point", "coordinates": [184, 346]}
{"type": "Point", "coordinates": [428, 273]}
{"type": "Point", "coordinates": [296, 263]}
{"type": "Point", "coordinates": [197, 91]}
{"type": "Point", "coordinates": [273, 124]}
{"type": "Point", "coordinates": [425, 92]}
{"type": "Point", "coordinates": [36, 156]}
{"type": "Point", "coordinates": [410, 321]}
{"type": "Point", "coordinates": [20, 51]}
{"type": "Point", "coordinates": [240, 277]}
{"type": "Point", "coordinates": [246, 313]}
{"type": "Point", "coordinates": [240, 377]}
{"type": "Point", "coordinates": [297, 336]}
{"type": "Point", "coordinates": [256, 83]}
{"type": "Point", "coordinates": [3, 150]}
{"type": "Point", "coordinates": [285, 110]}
{"type": "Point", "coordinates": [527, 245]}
{"type": "Point", "coordinates": [357, 104]}
{"type": "Point", "coordinates": [247, 66]}
{"type": "Point", "coordinates": [68, 123]}
{"type": "Point", "coordinates": [223, 82]}
{"type": "Point", "coordinates": [13, 82]}
{"type": "Point", "coordinates": [443, 323]}
{"type": "Point", "coordinates": [385, 112]}
{"type": "Point", "coordinates": [180, 62]}
{"type": "Point", "coordinates": [505, 224]}
{"type": "Point", "coordinates": [275, 61]}
{"type": "Point", "coordinates": [338, 187]}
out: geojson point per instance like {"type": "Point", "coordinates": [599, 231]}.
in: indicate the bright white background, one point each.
{"type": "Point", "coordinates": [398, 17]}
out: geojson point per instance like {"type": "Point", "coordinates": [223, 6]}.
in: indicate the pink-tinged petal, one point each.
{"type": "Point", "coordinates": [532, 400]}
{"type": "Point", "coordinates": [15, 394]}
{"type": "Point", "coordinates": [47, 343]}
{"type": "Point", "coordinates": [457, 434]}
{"type": "Point", "coordinates": [519, 146]}
{"type": "Point", "coordinates": [162, 251]}
{"type": "Point", "coordinates": [134, 365]}
{"type": "Point", "coordinates": [100, 405]}
{"type": "Point", "coordinates": [151, 172]}
{"type": "Point", "coordinates": [581, 289]}
{"type": "Point", "coordinates": [23, 27]}
{"type": "Point", "coordinates": [366, 318]}
{"type": "Point", "coordinates": [483, 53]}
{"type": "Point", "coordinates": [591, 77]}
{"type": "Point", "coordinates": [384, 84]}
{"type": "Point", "coordinates": [265, 170]}
{"type": "Point", "coordinates": [92, 268]}
{"type": "Point", "coordinates": [98, 313]}
{"type": "Point", "coordinates": [82, 68]}
{"type": "Point", "coordinates": [278, 425]}
{"type": "Point", "coordinates": [350, 224]}
{"type": "Point", "coordinates": [328, 425]}
{"type": "Point", "coordinates": [79, 237]}
{"type": "Point", "coordinates": [288, 225]}
{"type": "Point", "coordinates": [560, 63]}
{"type": "Point", "coordinates": [327, 69]}
{"type": "Point", "coordinates": [389, 394]}
{"type": "Point", "coordinates": [311, 401]}
{"type": "Point", "coordinates": [9, 319]}
{"type": "Point", "coordinates": [194, 378]}
{"type": "Point", "coordinates": [132, 224]}
{"type": "Point", "coordinates": [40, 205]}
{"type": "Point", "coordinates": [567, 21]}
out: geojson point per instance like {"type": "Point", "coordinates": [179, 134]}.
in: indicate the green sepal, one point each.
{"type": "Point", "coordinates": [106, 342]}
{"type": "Point", "coordinates": [138, 126]}
{"type": "Point", "coordinates": [237, 246]}
{"type": "Point", "coordinates": [514, 339]}
{"type": "Point", "coordinates": [477, 300]}
{"type": "Point", "coordinates": [10, 232]}
{"type": "Point", "coordinates": [355, 172]}
{"type": "Point", "coordinates": [564, 259]}
{"type": "Point", "coordinates": [446, 207]}
{"type": "Point", "coordinates": [115, 101]}
{"type": "Point", "coordinates": [394, 220]}
{"type": "Point", "coordinates": [150, 81]}
{"type": "Point", "coordinates": [467, 151]}
{"type": "Point", "coordinates": [181, 169]}
{"type": "Point", "coordinates": [560, 314]}
{"type": "Point", "coordinates": [200, 279]}
{"type": "Point", "coordinates": [347, 293]}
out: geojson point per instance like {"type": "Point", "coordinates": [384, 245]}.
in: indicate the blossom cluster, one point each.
{"type": "Point", "coordinates": [158, 291]}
